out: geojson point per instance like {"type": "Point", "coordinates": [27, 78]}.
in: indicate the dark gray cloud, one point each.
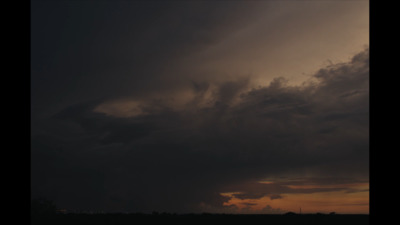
{"type": "Point", "coordinates": [176, 160]}
{"type": "Point", "coordinates": [275, 196]}
{"type": "Point", "coordinates": [83, 49]}
{"type": "Point", "coordinates": [110, 130]}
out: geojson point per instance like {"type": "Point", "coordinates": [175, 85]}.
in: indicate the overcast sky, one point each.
{"type": "Point", "coordinates": [201, 106]}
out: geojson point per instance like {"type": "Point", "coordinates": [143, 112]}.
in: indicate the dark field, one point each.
{"type": "Point", "coordinates": [100, 219]}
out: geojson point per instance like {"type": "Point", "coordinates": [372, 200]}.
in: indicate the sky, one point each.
{"type": "Point", "coordinates": [201, 106]}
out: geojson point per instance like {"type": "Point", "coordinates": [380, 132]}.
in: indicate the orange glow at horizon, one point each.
{"type": "Point", "coordinates": [344, 201]}
{"type": "Point", "coordinates": [353, 185]}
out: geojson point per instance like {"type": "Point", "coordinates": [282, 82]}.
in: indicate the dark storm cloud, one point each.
{"type": "Point", "coordinates": [179, 157]}
{"type": "Point", "coordinates": [249, 195]}
{"type": "Point", "coordinates": [181, 160]}
{"type": "Point", "coordinates": [248, 203]}
{"type": "Point", "coordinates": [272, 197]}
{"type": "Point", "coordinates": [83, 49]}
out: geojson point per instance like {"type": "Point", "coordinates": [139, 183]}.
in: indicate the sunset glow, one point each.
{"type": "Point", "coordinates": [344, 202]}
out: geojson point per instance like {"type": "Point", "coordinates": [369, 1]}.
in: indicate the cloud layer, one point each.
{"type": "Point", "coordinates": [179, 152]}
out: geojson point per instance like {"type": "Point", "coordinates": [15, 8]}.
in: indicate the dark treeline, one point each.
{"type": "Point", "coordinates": [166, 218]}
{"type": "Point", "coordinates": [45, 212]}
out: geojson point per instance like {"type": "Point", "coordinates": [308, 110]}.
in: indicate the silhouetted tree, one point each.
{"type": "Point", "coordinates": [290, 214]}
